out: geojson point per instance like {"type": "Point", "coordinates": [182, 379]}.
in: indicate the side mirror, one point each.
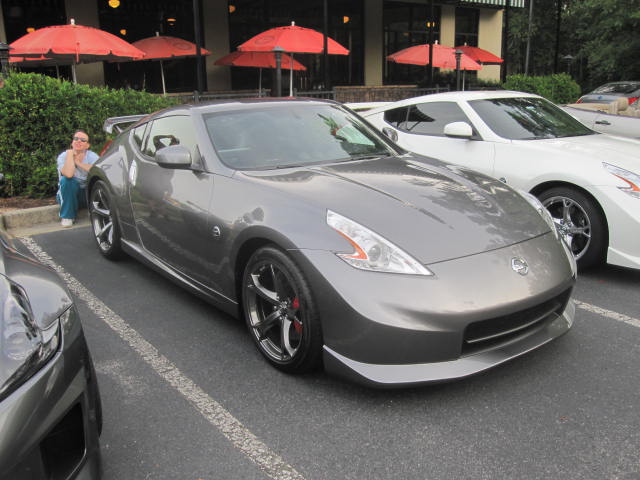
{"type": "Point", "coordinates": [458, 130]}
{"type": "Point", "coordinates": [391, 133]}
{"type": "Point", "coordinates": [174, 156]}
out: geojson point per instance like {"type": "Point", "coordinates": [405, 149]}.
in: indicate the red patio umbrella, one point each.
{"type": "Point", "coordinates": [480, 55]}
{"type": "Point", "coordinates": [443, 57]}
{"type": "Point", "coordinates": [166, 48]}
{"type": "Point", "coordinates": [292, 39]}
{"type": "Point", "coordinates": [259, 60]}
{"type": "Point", "coordinates": [75, 44]}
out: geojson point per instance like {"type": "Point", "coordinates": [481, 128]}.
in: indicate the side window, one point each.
{"type": "Point", "coordinates": [174, 130]}
{"type": "Point", "coordinates": [138, 135]}
{"type": "Point", "coordinates": [430, 118]}
{"type": "Point", "coordinates": [396, 117]}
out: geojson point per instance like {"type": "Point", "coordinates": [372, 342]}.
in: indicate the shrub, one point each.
{"type": "Point", "coordinates": [38, 116]}
{"type": "Point", "coordinates": [558, 88]}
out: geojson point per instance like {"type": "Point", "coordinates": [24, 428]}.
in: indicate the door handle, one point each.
{"type": "Point", "coordinates": [603, 122]}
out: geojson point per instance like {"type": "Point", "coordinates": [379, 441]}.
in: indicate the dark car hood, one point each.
{"type": "Point", "coordinates": [432, 210]}
{"type": "Point", "coordinates": [46, 292]}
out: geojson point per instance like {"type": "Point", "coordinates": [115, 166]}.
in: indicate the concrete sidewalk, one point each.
{"type": "Point", "coordinates": [31, 221]}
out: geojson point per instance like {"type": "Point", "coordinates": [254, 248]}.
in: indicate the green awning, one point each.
{"type": "Point", "coordinates": [497, 3]}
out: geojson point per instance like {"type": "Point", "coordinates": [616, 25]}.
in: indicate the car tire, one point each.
{"type": "Point", "coordinates": [280, 311]}
{"type": "Point", "coordinates": [104, 221]}
{"type": "Point", "coordinates": [580, 222]}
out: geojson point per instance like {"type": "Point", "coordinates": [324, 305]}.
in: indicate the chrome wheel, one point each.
{"type": "Point", "coordinates": [572, 223]}
{"type": "Point", "coordinates": [581, 223]}
{"type": "Point", "coordinates": [103, 221]}
{"type": "Point", "coordinates": [279, 312]}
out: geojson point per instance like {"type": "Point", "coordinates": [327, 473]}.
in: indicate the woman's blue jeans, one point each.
{"type": "Point", "coordinates": [71, 196]}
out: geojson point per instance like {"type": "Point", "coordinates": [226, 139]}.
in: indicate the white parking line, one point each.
{"type": "Point", "coordinates": [268, 461]}
{"type": "Point", "coordinates": [620, 317]}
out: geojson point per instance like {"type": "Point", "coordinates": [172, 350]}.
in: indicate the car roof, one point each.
{"type": "Point", "coordinates": [453, 96]}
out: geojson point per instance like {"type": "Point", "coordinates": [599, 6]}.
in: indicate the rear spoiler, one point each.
{"type": "Point", "coordinates": [120, 123]}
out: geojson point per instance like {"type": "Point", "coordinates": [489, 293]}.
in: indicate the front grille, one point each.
{"type": "Point", "coordinates": [489, 333]}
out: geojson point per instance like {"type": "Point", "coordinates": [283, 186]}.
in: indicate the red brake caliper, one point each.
{"type": "Point", "coordinates": [295, 305]}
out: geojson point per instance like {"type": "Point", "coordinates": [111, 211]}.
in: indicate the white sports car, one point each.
{"type": "Point", "coordinates": [589, 182]}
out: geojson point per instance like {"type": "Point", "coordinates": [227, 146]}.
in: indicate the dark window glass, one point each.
{"type": "Point", "coordinates": [407, 24]}
{"type": "Point", "coordinates": [527, 119]}
{"type": "Point", "coordinates": [396, 117]}
{"type": "Point", "coordinates": [166, 131]}
{"type": "Point", "coordinates": [467, 21]}
{"type": "Point", "coordinates": [430, 118]}
{"type": "Point", "coordinates": [275, 137]}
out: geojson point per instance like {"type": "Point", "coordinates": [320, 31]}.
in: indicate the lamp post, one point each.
{"type": "Point", "coordinates": [568, 59]}
{"type": "Point", "coordinates": [458, 54]}
{"type": "Point", "coordinates": [278, 51]}
{"type": "Point", "coordinates": [4, 59]}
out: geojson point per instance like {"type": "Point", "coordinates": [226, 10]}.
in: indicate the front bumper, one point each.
{"type": "Point", "coordinates": [623, 217]}
{"type": "Point", "coordinates": [49, 425]}
{"type": "Point", "coordinates": [474, 313]}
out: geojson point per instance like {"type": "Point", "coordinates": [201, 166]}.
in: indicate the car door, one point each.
{"type": "Point", "coordinates": [420, 129]}
{"type": "Point", "coordinates": [171, 206]}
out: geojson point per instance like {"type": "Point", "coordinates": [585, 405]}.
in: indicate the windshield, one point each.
{"type": "Point", "coordinates": [526, 118]}
{"type": "Point", "coordinates": [278, 136]}
{"type": "Point", "coordinates": [617, 88]}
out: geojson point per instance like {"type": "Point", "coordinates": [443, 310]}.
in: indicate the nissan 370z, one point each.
{"type": "Point", "coordinates": [337, 248]}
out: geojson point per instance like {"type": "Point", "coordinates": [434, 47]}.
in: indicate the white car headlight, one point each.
{"type": "Point", "coordinates": [24, 347]}
{"type": "Point", "coordinates": [371, 251]}
{"type": "Point", "coordinates": [633, 179]}
{"type": "Point", "coordinates": [535, 203]}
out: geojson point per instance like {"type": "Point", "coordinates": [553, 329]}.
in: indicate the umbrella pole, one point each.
{"type": "Point", "coordinates": [73, 72]}
{"type": "Point", "coordinates": [260, 82]}
{"type": "Point", "coordinates": [291, 78]}
{"type": "Point", "coordinates": [164, 90]}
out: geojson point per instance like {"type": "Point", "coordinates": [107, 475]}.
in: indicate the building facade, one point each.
{"type": "Point", "coordinates": [370, 29]}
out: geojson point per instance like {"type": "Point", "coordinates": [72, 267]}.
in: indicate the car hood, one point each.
{"type": "Point", "coordinates": [619, 151]}
{"type": "Point", "coordinates": [432, 210]}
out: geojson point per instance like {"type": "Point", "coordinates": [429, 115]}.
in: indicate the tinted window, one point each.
{"type": "Point", "coordinates": [527, 119]}
{"type": "Point", "coordinates": [396, 116]}
{"type": "Point", "coordinates": [430, 118]}
{"type": "Point", "coordinates": [176, 130]}
{"type": "Point", "coordinates": [281, 136]}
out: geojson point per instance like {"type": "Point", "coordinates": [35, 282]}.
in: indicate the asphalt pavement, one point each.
{"type": "Point", "coordinates": [187, 396]}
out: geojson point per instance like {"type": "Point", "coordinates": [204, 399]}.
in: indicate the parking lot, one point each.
{"type": "Point", "coordinates": [187, 396]}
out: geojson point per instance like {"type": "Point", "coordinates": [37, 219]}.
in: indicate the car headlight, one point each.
{"type": "Point", "coordinates": [371, 251]}
{"type": "Point", "coordinates": [535, 203]}
{"type": "Point", "coordinates": [25, 347]}
{"type": "Point", "coordinates": [632, 179]}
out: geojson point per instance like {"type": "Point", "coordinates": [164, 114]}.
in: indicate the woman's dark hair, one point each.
{"type": "Point", "coordinates": [81, 131]}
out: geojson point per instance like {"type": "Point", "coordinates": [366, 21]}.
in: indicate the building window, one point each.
{"type": "Point", "coordinates": [467, 21]}
{"type": "Point", "coordinates": [406, 25]}
{"type": "Point", "coordinates": [346, 25]}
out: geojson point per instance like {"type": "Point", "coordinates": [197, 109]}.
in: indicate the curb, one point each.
{"type": "Point", "coordinates": [33, 219]}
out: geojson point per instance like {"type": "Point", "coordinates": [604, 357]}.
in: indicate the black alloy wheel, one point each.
{"type": "Point", "coordinates": [280, 311]}
{"type": "Point", "coordinates": [579, 222]}
{"type": "Point", "coordinates": [104, 221]}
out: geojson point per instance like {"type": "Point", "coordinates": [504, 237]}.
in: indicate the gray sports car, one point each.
{"type": "Point", "coordinates": [50, 410]}
{"type": "Point", "coordinates": [337, 247]}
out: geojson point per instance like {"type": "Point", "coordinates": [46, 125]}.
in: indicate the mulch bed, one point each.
{"type": "Point", "coordinates": [17, 203]}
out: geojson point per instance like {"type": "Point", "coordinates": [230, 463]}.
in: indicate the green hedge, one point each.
{"type": "Point", "coordinates": [38, 116]}
{"type": "Point", "coordinates": [559, 88]}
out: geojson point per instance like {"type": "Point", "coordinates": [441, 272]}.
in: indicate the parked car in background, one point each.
{"type": "Point", "coordinates": [610, 91]}
{"type": "Point", "coordinates": [337, 247]}
{"type": "Point", "coordinates": [589, 182]}
{"type": "Point", "coordinates": [50, 409]}
{"type": "Point", "coordinates": [614, 118]}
